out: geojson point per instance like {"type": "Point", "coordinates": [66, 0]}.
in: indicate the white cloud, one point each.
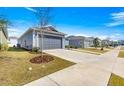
{"type": "Point", "coordinates": [16, 31]}
{"type": "Point", "coordinates": [30, 9]}
{"type": "Point", "coordinates": [13, 30]}
{"type": "Point", "coordinates": [116, 23]}
{"type": "Point", "coordinates": [102, 36]}
{"type": "Point", "coordinates": [118, 16]}
{"type": "Point", "coordinates": [82, 35]}
{"type": "Point", "coordinates": [117, 19]}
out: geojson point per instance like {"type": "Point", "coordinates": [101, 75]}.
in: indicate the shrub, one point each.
{"type": "Point", "coordinates": [67, 46]}
{"type": "Point", "coordinates": [75, 47]}
{"type": "Point", "coordinates": [72, 47]}
{"type": "Point", "coordinates": [6, 47]}
{"type": "Point", "coordinates": [35, 49]}
{"type": "Point", "coordinates": [3, 47]}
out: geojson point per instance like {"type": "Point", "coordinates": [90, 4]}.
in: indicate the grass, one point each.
{"type": "Point", "coordinates": [121, 54]}
{"type": "Point", "coordinates": [16, 49]}
{"type": "Point", "coordinates": [122, 48]}
{"type": "Point", "coordinates": [116, 80]}
{"type": "Point", "coordinates": [96, 51]}
{"type": "Point", "coordinates": [14, 67]}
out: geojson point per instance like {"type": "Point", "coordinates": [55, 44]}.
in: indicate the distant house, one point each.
{"type": "Point", "coordinates": [45, 38]}
{"type": "Point", "coordinates": [3, 35]}
{"type": "Point", "coordinates": [66, 42]}
{"type": "Point", "coordinates": [80, 41]}
{"type": "Point", "coordinates": [106, 42]}
{"type": "Point", "coordinates": [121, 42]}
{"type": "Point", "coordinates": [13, 41]}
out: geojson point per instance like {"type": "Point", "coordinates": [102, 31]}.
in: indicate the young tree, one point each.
{"type": "Point", "coordinates": [96, 42]}
{"type": "Point", "coordinates": [44, 17]}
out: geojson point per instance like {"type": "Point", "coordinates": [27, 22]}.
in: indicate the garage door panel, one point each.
{"type": "Point", "coordinates": [50, 42]}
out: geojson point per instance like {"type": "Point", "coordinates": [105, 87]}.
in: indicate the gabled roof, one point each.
{"type": "Point", "coordinates": [75, 37]}
{"type": "Point", "coordinates": [48, 29]}
{"type": "Point", "coordinates": [13, 37]}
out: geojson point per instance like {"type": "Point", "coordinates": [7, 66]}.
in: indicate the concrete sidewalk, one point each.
{"type": "Point", "coordinates": [90, 69]}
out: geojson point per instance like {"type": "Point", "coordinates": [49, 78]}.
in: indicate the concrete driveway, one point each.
{"type": "Point", "coordinates": [74, 56]}
{"type": "Point", "coordinates": [90, 69]}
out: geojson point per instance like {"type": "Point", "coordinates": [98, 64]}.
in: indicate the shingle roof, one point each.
{"type": "Point", "coordinates": [13, 37]}
{"type": "Point", "coordinates": [75, 37]}
{"type": "Point", "coordinates": [48, 29]}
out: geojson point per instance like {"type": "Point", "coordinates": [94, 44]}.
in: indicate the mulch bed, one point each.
{"type": "Point", "coordinates": [42, 59]}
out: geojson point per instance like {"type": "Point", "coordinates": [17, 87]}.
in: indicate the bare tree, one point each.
{"type": "Point", "coordinates": [44, 17]}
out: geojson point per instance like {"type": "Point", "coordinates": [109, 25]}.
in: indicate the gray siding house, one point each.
{"type": "Point", "coordinates": [80, 41]}
{"type": "Point", "coordinates": [44, 38]}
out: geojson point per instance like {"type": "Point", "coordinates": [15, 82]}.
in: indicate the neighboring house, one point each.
{"type": "Point", "coordinates": [121, 42]}
{"type": "Point", "coordinates": [44, 38]}
{"type": "Point", "coordinates": [66, 42]}
{"type": "Point", "coordinates": [3, 35]}
{"type": "Point", "coordinates": [13, 41]}
{"type": "Point", "coordinates": [107, 42]}
{"type": "Point", "coordinates": [80, 41]}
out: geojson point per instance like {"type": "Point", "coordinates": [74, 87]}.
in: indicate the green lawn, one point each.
{"type": "Point", "coordinates": [96, 51]}
{"type": "Point", "coordinates": [14, 67]}
{"type": "Point", "coordinates": [16, 49]}
{"type": "Point", "coordinates": [116, 80]}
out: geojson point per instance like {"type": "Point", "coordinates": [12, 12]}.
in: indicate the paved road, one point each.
{"type": "Point", "coordinates": [90, 69]}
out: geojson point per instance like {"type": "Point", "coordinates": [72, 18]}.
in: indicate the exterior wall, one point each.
{"type": "Point", "coordinates": [66, 42]}
{"type": "Point", "coordinates": [88, 44]}
{"type": "Point", "coordinates": [3, 39]}
{"type": "Point", "coordinates": [26, 41]}
{"type": "Point", "coordinates": [80, 43]}
{"type": "Point", "coordinates": [76, 43]}
{"type": "Point", "coordinates": [49, 41]}
{"type": "Point", "coordinates": [13, 42]}
{"type": "Point", "coordinates": [34, 39]}
{"type": "Point", "coordinates": [63, 42]}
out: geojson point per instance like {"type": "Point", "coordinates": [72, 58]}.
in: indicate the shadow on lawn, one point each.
{"type": "Point", "coordinates": [16, 49]}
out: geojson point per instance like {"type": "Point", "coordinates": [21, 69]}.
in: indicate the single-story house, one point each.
{"type": "Point", "coordinates": [43, 38]}
{"type": "Point", "coordinates": [13, 40]}
{"type": "Point", "coordinates": [107, 42]}
{"type": "Point", "coordinates": [3, 35]}
{"type": "Point", "coordinates": [80, 41]}
{"type": "Point", "coordinates": [66, 42]}
{"type": "Point", "coordinates": [121, 42]}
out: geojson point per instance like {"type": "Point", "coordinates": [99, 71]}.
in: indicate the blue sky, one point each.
{"type": "Point", "coordinates": [98, 22]}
